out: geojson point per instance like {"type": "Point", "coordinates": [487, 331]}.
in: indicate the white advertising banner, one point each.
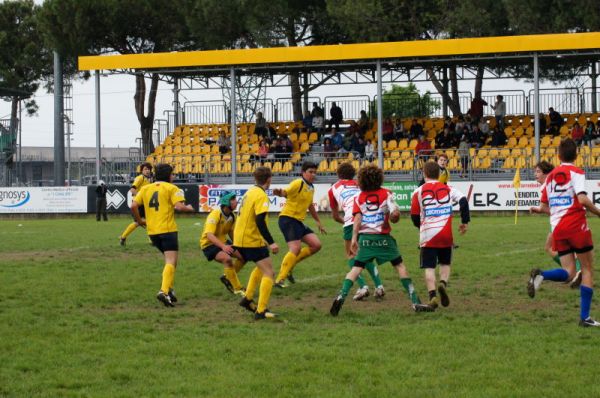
{"type": "Point", "coordinates": [44, 200]}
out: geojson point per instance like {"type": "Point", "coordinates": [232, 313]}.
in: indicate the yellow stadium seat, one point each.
{"type": "Point", "coordinates": [323, 166]}
{"type": "Point", "coordinates": [408, 164]}
{"type": "Point", "coordinates": [304, 147]}
{"type": "Point", "coordinates": [397, 165]}
{"type": "Point", "coordinates": [523, 142]}
{"type": "Point", "coordinates": [512, 142]}
{"type": "Point", "coordinates": [391, 145]}
{"type": "Point", "coordinates": [403, 144]}
{"type": "Point", "coordinates": [413, 144]}
{"type": "Point", "coordinates": [526, 122]}
{"type": "Point", "coordinates": [546, 141]}
{"type": "Point", "coordinates": [564, 130]}
{"type": "Point", "coordinates": [407, 154]}
{"type": "Point", "coordinates": [519, 131]}
{"type": "Point", "coordinates": [509, 131]}
{"type": "Point", "coordinates": [509, 163]}
{"type": "Point", "coordinates": [303, 137]}
{"type": "Point", "coordinates": [313, 137]}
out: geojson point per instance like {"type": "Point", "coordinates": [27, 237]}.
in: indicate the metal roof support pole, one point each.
{"type": "Point", "coordinates": [445, 95]}
{"type": "Point", "coordinates": [233, 111]}
{"type": "Point", "coordinates": [59, 127]}
{"type": "Point", "coordinates": [536, 107]}
{"type": "Point", "coordinates": [175, 106]}
{"type": "Point", "coordinates": [594, 77]}
{"type": "Point", "coordinates": [379, 117]}
{"type": "Point", "coordinates": [98, 150]}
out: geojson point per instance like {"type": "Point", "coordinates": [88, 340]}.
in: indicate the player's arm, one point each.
{"type": "Point", "coordinates": [543, 208]}
{"type": "Point", "coordinates": [181, 206]}
{"type": "Point", "coordinates": [291, 190]}
{"type": "Point", "coordinates": [415, 210]}
{"type": "Point", "coordinates": [281, 192]}
{"type": "Point", "coordinates": [587, 203]}
{"type": "Point", "coordinates": [261, 224]}
{"type": "Point", "coordinates": [215, 241]}
{"type": "Point", "coordinates": [335, 211]}
{"type": "Point", "coordinates": [465, 214]}
{"type": "Point", "coordinates": [315, 216]}
{"type": "Point", "coordinates": [135, 204]}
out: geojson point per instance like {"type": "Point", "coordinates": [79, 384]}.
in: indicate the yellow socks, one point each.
{"type": "Point", "coordinates": [237, 265]}
{"type": "Point", "coordinates": [130, 228]}
{"type": "Point", "coordinates": [168, 276]}
{"type": "Point", "coordinates": [253, 282]}
{"type": "Point", "coordinates": [286, 266]}
{"type": "Point", "coordinates": [232, 277]}
{"type": "Point", "coordinates": [304, 252]}
{"type": "Point", "coordinates": [266, 285]}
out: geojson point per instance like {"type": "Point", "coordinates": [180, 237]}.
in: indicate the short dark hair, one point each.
{"type": "Point", "coordinates": [308, 165]}
{"type": "Point", "coordinates": [545, 166]}
{"type": "Point", "coordinates": [163, 172]}
{"type": "Point", "coordinates": [370, 178]}
{"type": "Point", "coordinates": [262, 174]}
{"type": "Point", "coordinates": [431, 170]}
{"type": "Point", "coordinates": [443, 155]}
{"type": "Point", "coordinates": [567, 150]}
{"type": "Point", "coordinates": [147, 165]}
{"type": "Point", "coordinates": [346, 171]}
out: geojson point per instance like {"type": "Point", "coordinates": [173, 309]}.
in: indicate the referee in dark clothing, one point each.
{"type": "Point", "coordinates": [101, 200]}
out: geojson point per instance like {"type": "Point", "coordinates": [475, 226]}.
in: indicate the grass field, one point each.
{"type": "Point", "coordinates": [78, 317]}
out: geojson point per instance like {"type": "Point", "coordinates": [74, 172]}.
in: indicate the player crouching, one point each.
{"type": "Point", "coordinates": [374, 209]}
{"type": "Point", "coordinates": [431, 212]}
{"type": "Point", "coordinates": [215, 244]}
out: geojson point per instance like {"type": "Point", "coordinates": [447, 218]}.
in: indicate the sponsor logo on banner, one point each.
{"type": "Point", "coordinates": [43, 200]}
{"type": "Point", "coordinates": [14, 198]}
{"type": "Point", "coordinates": [114, 199]}
{"type": "Point", "coordinates": [401, 193]}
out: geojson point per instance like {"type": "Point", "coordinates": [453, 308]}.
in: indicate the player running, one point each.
{"type": "Point", "coordinates": [431, 212]}
{"type": "Point", "coordinates": [252, 239]}
{"type": "Point", "coordinates": [161, 199]}
{"type": "Point", "coordinates": [374, 209]}
{"type": "Point", "coordinates": [564, 198]}
{"type": "Point", "coordinates": [542, 169]}
{"type": "Point", "coordinates": [140, 181]}
{"type": "Point", "coordinates": [216, 244]}
{"type": "Point", "coordinates": [299, 199]}
{"type": "Point", "coordinates": [341, 197]}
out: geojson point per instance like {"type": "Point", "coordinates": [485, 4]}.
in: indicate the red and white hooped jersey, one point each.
{"type": "Point", "coordinates": [567, 215]}
{"type": "Point", "coordinates": [341, 196]}
{"type": "Point", "coordinates": [433, 202]}
{"type": "Point", "coordinates": [375, 207]}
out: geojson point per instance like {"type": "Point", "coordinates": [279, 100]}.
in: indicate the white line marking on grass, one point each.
{"type": "Point", "coordinates": [319, 278]}
{"type": "Point", "coordinates": [504, 253]}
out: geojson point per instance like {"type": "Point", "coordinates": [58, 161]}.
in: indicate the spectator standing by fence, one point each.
{"type": "Point", "coordinates": [556, 121]}
{"type": "Point", "coordinates": [499, 110]}
{"type": "Point", "coordinates": [476, 110]}
{"type": "Point", "coordinates": [336, 116]}
{"type": "Point", "coordinates": [363, 122]}
{"type": "Point", "coordinates": [224, 143]}
{"type": "Point", "coordinates": [101, 190]}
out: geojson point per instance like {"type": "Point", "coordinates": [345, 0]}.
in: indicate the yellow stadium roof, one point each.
{"type": "Point", "coordinates": [504, 46]}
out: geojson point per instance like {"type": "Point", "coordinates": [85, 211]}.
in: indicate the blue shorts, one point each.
{"type": "Point", "coordinates": [165, 242]}
{"type": "Point", "coordinates": [293, 229]}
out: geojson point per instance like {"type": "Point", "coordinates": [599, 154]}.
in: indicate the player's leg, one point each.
{"type": "Point", "coordinates": [231, 279]}
{"type": "Point", "coordinates": [563, 274]}
{"type": "Point", "coordinates": [406, 281]}
{"type": "Point", "coordinates": [428, 262]}
{"type": "Point", "coordinates": [248, 300]}
{"type": "Point", "coordinates": [349, 280]}
{"type": "Point", "coordinates": [266, 286]}
{"type": "Point", "coordinates": [313, 246]}
{"type": "Point", "coordinates": [363, 288]}
{"type": "Point", "coordinates": [168, 277]}
{"type": "Point", "coordinates": [289, 260]}
{"type": "Point", "coordinates": [586, 288]}
{"type": "Point", "coordinates": [444, 261]}
{"type": "Point", "coordinates": [130, 228]}
{"type": "Point", "coordinates": [549, 248]}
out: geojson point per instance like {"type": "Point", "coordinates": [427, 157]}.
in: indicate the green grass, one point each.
{"type": "Point", "coordinates": [78, 317]}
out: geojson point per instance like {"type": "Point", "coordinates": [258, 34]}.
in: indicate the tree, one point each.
{"type": "Point", "coordinates": [406, 102]}
{"type": "Point", "coordinates": [21, 60]}
{"type": "Point", "coordinates": [89, 27]}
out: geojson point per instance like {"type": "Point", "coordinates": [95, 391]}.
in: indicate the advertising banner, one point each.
{"type": "Point", "coordinates": [43, 200]}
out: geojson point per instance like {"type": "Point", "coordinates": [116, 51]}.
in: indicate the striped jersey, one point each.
{"type": "Point", "coordinates": [433, 202]}
{"type": "Point", "coordinates": [375, 208]}
{"type": "Point", "coordinates": [341, 197]}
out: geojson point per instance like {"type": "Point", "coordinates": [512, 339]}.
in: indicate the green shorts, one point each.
{"type": "Point", "coordinates": [381, 248]}
{"type": "Point", "coordinates": [348, 232]}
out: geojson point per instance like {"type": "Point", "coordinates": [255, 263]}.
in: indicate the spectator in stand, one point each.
{"type": "Point", "coordinates": [363, 122]}
{"type": "Point", "coordinates": [287, 143]}
{"type": "Point", "coordinates": [556, 121]}
{"type": "Point", "coordinates": [328, 148]}
{"type": "Point", "coordinates": [444, 139]}
{"type": "Point", "coordinates": [423, 148]}
{"type": "Point", "coordinates": [498, 137]}
{"type": "Point", "coordinates": [336, 116]}
{"type": "Point", "coordinates": [261, 126]}
{"type": "Point", "coordinates": [478, 139]}
{"type": "Point", "coordinates": [224, 143]}
{"type": "Point", "coordinates": [399, 132]}
{"type": "Point", "coordinates": [499, 110]}
{"type": "Point", "coordinates": [589, 134]}
{"type": "Point", "coordinates": [484, 127]}
{"type": "Point", "coordinates": [387, 128]}
{"type": "Point", "coordinates": [354, 128]}
{"type": "Point", "coordinates": [369, 151]}
{"type": "Point", "coordinates": [263, 151]}
{"type": "Point", "coordinates": [416, 130]}
{"type": "Point", "coordinates": [460, 126]}
{"type": "Point", "coordinates": [542, 121]}
{"type": "Point", "coordinates": [476, 110]}
{"type": "Point", "coordinates": [318, 116]}
{"type": "Point", "coordinates": [450, 124]}
{"type": "Point", "coordinates": [307, 122]}
{"type": "Point", "coordinates": [359, 147]}
{"type": "Point", "coordinates": [577, 133]}
{"type": "Point", "coordinates": [463, 152]}
{"type": "Point", "coordinates": [337, 140]}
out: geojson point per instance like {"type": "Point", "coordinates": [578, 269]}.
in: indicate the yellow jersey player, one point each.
{"type": "Point", "coordinates": [442, 162]}
{"type": "Point", "coordinates": [140, 181]}
{"type": "Point", "coordinates": [252, 239]}
{"type": "Point", "coordinates": [216, 244]}
{"type": "Point", "coordinates": [161, 199]}
{"type": "Point", "coordinates": [299, 199]}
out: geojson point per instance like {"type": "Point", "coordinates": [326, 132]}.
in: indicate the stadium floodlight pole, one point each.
{"type": "Point", "coordinates": [232, 107]}
{"type": "Point", "coordinates": [59, 127]}
{"type": "Point", "coordinates": [379, 117]}
{"type": "Point", "coordinates": [536, 98]}
{"type": "Point", "coordinates": [98, 150]}
{"type": "Point", "coordinates": [175, 105]}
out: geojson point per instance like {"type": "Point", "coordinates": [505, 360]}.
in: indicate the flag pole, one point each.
{"type": "Point", "coordinates": [517, 185]}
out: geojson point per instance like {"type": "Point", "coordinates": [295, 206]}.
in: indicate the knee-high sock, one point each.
{"type": "Point", "coordinates": [286, 266]}
{"type": "Point", "coordinates": [346, 287]}
{"type": "Point", "coordinates": [360, 280]}
{"type": "Point", "coordinates": [168, 276]}
{"type": "Point", "coordinates": [237, 265]}
{"type": "Point", "coordinates": [556, 275]}
{"type": "Point", "coordinates": [232, 277]}
{"type": "Point", "coordinates": [410, 289]}
{"type": "Point", "coordinates": [130, 228]}
{"type": "Point", "coordinates": [586, 300]}
{"type": "Point", "coordinates": [304, 252]}
{"type": "Point", "coordinates": [374, 272]}
{"type": "Point", "coordinates": [266, 285]}
{"type": "Point", "coordinates": [253, 282]}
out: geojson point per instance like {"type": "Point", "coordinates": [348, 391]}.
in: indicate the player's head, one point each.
{"type": "Point", "coordinates": [228, 199]}
{"type": "Point", "coordinates": [164, 172]}
{"type": "Point", "coordinates": [442, 160]}
{"type": "Point", "coordinates": [309, 171]}
{"type": "Point", "coordinates": [370, 178]}
{"type": "Point", "coordinates": [146, 169]}
{"type": "Point", "coordinates": [542, 169]}
{"type": "Point", "coordinates": [262, 176]}
{"type": "Point", "coordinates": [431, 170]}
{"type": "Point", "coordinates": [346, 171]}
{"type": "Point", "coordinates": [567, 150]}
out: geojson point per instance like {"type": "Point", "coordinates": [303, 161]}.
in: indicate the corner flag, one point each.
{"type": "Point", "coordinates": [517, 185]}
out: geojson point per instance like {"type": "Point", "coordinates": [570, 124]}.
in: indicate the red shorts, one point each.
{"type": "Point", "coordinates": [579, 242]}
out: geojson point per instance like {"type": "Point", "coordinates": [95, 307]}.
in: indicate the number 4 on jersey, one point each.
{"type": "Point", "coordinates": [154, 201]}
